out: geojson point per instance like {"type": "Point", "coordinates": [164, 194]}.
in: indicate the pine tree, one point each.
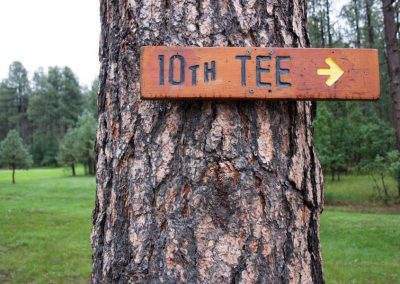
{"type": "Point", "coordinates": [14, 96]}
{"type": "Point", "coordinates": [393, 58]}
{"type": "Point", "coordinates": [54, 108]}
{"type": "Point", "coordinates": [78, 144]}
{"type": "Point", "coordinates": [86, 137]}
{"type": "Point", "coordinates": [91, 98]}
{"type": "Point", "coordinates": [14, 153]}
{"type": "Point", "coordinates": [68, 154]}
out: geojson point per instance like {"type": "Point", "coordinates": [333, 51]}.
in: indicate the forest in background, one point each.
{"type": "Point", "coordinates": [56, 117]}
{"type": "Point", "coordinates": [358, 137]}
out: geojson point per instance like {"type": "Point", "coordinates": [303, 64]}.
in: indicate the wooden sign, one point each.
{"type": "Point", "coordinates": [259, 73]}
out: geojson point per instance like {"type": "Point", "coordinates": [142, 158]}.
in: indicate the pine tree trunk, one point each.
{"type": "Point", "coordinates": [370, 28]}
{"type": "Point", "coordinates": [328, 22]}
{"type": "Point", "coordinates": [202, 191]}
{"type": "Point", "coordinates": [393, 59]}
{"type": "Point", "coordinates": [357, 22]}
{"type": "Point", "coordinates": [322, 30]}
{"type": "Point", "coordinates": [398, 186]}
{"type": "Point", "coordinates": [91, 167]}
{"type": "Point", "coordinates": [13, 173]}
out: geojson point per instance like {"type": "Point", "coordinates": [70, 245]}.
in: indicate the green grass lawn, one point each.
{"type": "Point", "coordinates": [355, 189]}
{"type": "Point", "coordinates": [45, 222]}
{"type": "Point", "coordinates": [360, 248]}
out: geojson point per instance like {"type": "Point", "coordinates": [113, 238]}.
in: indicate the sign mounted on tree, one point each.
{"type": "Point", "coordinates": [259, 73]}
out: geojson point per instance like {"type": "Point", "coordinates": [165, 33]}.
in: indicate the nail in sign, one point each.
{"type": "Point", "coordinates": [259, 73]}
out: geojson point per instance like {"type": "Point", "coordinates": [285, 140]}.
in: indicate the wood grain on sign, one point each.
{"type": "Point", "coordinates": [259, 73]}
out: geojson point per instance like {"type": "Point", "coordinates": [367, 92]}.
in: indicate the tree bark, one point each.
{"type": "Point", "coordinates": [202, 191]}
{"type": "Point", "coordinates": [393, 60]}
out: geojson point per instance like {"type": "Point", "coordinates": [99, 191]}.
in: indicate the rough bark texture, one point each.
{"type": "Point", "coordinates": [393, 59]}
{"type": "Point", "coordinates": [202, 192]}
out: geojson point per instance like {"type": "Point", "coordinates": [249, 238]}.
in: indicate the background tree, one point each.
{"type": "Point", "coordinates": [330, 141]}
{"type": "Point", "coordinates": [78, 144]}
{"type": "Point", "coordinates": [202, 191]}
{"type": "Point", "coordinates": [323, 31]}
{"type": "Point", "coordinates": [44, 119]}
{"type": "Point", "coordinates": [86, 137]}
{"type": "Point", "coordinates": [368, 146]}
{"type": "Point", "coordinates": [369, 22]}
{"type": "Point", "coordinates": [348, 135]}
{"type": "Point", "coordinates": [90, 98]}
{"type": "Point", "coordinates": [393, 159]}
{"type": "Point", "coordinates": [14, 153]}
{"type": "Point", "coordinates": [68, 154]}
{"type": "Point", "coordinates": [14, 95]}
{"type": "Point", "coordinates": [55, 106]}
{"type": "Point", "coordinates": [44, 109]}
{"type": "Point", "coordinates": [393, 58]}
{"type": "Point", "coordinates": [70, 100]}
{"type": "Point", "coordinates": [379, 167]}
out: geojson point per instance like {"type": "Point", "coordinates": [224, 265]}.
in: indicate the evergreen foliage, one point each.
{"type": "Point", "coordinates": [68, 152]}
{"type": "Point", "coordinates": [46, 111]}
{"type": "Point", "coordinates": [353, 135]}
{"type": "Point", "coordinates": [86, 132]}
{"type": "Point", "coordinates": [393, 158]}
{"type": "Point", "coordinates": [14, 154]}
{"type": "Point", "coordinates": [90, 95]}
{"type": "Point", "coordinates": [14, 94]}
{"type": "Point", "coordinates": [77, 146]}
{"type": "Point", "coordinates": [54, 107]}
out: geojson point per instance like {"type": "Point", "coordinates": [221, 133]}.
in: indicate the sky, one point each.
{"type": "Point", "coordinates": [49, 33]}
{"type": "Point", "coordinates": [43, 33]}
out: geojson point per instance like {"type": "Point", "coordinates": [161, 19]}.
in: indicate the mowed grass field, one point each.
{"type": "Point", "coordinates": [45, 221]}
{"type": "Point", "coordinates": [45, 224]}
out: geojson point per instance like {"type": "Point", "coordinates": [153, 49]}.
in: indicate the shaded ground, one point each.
{"type": "Point", "coordinates": [365, 208]}
{"type": "Point", "coordinates": [45, 222]}
{"type": "Point", "coordinates": [359, 190]}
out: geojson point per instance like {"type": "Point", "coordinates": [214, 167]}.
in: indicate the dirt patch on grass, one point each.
{"type": "Point", "coordinates": [366, 208]}
{"type": "Point", "coordinates": [40, 212]}
{"type": "Point", "coordinates": [75, 279]}
{"type": "Point", "coordinates": [5, 277]}
{"type": "Point", "coordinates": [391, 209]}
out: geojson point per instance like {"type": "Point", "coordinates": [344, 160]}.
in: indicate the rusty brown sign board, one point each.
{"type": "Point", "coordinates": [259, 73]}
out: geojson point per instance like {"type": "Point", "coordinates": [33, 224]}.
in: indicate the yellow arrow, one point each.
{"type": "Point", "coordinates": [334, 72]}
